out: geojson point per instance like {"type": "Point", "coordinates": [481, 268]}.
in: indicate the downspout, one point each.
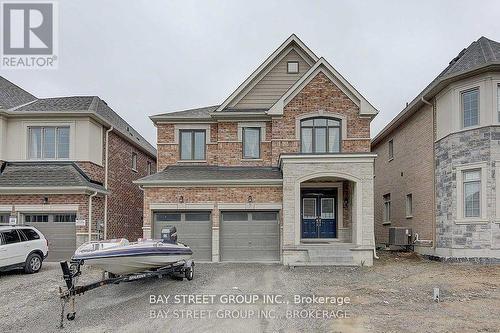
{"type": "Point", "coordinates": [106, 158]}
{"type": "Point", "coordinates": [90, 214]}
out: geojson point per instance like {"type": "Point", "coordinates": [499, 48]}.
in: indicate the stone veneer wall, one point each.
{"type": "Point", "coordinates": [473, 146]}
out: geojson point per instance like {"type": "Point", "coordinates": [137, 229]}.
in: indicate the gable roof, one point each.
{"type": "Point", "coordinates": [480, 56]}
{"type": "Point", "coordinates": [293, 40]}
{"type": "Point", "coordinates": [19, 175]}
{"type": "Point", "coordinates": [71, 104]}
{"type": "Point", "coordinates": [11, 95]}
{"type": "Point", "coordinates": [323, 66]}
{"type": "Point", "coordinates": [224, 110]}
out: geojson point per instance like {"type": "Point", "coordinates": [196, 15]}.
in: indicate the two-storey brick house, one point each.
{"type": "Point", "coordinates": [67, 166]}
{"type": "Point", "coordinates": [280, 171]}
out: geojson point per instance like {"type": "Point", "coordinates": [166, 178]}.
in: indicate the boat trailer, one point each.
{"type": "Point", "coordinates": [71, 272]}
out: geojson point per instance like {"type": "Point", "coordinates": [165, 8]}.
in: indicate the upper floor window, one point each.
{"type": "Point", "coordinates": [150, 168]}
{"type": "Point", "coordinates": [391, 149]}
{"type": "Point", "coordinates": [134, 161]}
{"type": "Point", "coordinates": [251, 142]}
{"type": "Point", "coordinates": [470, 107]}
{"type": "Point", "coordinates": [292, 67]}
{"type": "Point", "coordinates": [192, 144]}
{"type": "Point", "coordinates": [320, 135]}
{"type": "Point", "coordinates": [48, 142]}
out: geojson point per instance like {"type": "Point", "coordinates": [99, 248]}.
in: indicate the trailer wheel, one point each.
{"type": "Point", "coordinates": [189, 273]}
{"type": "Point", "coordinates": [71, 315]}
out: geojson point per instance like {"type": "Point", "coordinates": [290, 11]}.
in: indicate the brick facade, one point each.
{"type": "Point", "coordinates": [225, 148]}
{"type": "Point", "coordinates": [411, 171]}
{"type": "Point", "coordinates": [126, 199]}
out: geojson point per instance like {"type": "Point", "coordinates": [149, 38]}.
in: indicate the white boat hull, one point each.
{"type": "Point", "coordinates": [121, 257]}
{"type": "Point", "coordinates": [128, 265]}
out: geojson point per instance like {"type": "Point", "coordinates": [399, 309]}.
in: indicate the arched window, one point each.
{"type": "Point", "coordinates": [320, 135]}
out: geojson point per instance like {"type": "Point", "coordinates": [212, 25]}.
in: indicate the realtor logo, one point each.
{"type": "Point", "coordinates": [29, 32]}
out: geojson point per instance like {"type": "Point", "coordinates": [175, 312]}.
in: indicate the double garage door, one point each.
{"type": "Point", "coordinates": [243, 236]}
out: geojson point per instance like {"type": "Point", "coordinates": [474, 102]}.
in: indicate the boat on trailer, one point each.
{"type": "Point", "coordinates": [125, 262]}
{"type": "Point", "coordinates": [121, 257]}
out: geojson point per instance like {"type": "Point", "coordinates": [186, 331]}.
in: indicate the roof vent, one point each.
{"type": "Point", "coordinates": [454, 60]}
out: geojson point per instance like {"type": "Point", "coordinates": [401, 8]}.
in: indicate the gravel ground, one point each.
{"type": "Point", "coordinates": [395, 295]}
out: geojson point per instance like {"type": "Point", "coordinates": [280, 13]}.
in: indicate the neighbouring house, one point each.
{"type": "Point", "coordinates": [67, 166]}
{"type": "Point", "coordinates": [438, 165]}
{"type": "Point", "coordinates": [281, 171]}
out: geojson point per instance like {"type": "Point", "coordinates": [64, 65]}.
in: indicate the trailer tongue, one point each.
{"type": "Point", "coordinates": [179, 270]}
{"type": "Point", "coordinates": [125, 262]}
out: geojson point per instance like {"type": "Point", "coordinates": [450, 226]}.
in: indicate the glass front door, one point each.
{"type": "Point", "coordinates": [319, 213]}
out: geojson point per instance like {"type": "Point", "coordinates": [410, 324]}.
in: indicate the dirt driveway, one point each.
{"type": "Point", "coordinates": [395, 295]}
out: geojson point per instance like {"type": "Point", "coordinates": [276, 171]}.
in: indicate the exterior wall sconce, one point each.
{"type": "Point", "coordinates": [181, 199]}
{"type": "Point", "coordinates": [45, 200]}
{"type": "Point", "coordinates": [346, 203]}
{"type": "Point", "coordinates": [250, 199]}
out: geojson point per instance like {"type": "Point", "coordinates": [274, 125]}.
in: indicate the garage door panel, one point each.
{"type": "Point", "coordinates": [193, 229]}
{"type": "Point", "coordinates": [249, 236]}
{"type": "Point", "coordinates": [61, 237]}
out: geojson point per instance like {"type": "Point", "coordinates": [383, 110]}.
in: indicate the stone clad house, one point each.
{"type": "Point", "coordinates": [67, 167]}
{"type": "Point", "coordinates": [438, 164]}
{"type": "Point", "coordinates": [281, 171]}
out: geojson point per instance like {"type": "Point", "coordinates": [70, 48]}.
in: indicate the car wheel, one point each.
{"type": "Point", "coordinates": [33, 263]}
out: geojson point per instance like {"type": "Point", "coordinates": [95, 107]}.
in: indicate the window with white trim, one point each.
{"type": "Point", "coordinates": [48, 142]}
{"type": "Point", "coordinates": [387, 208]}
{"type": "Point", "coordinates": [292, 67]}
{"type": "Point", "coordinates": [409, 205]}
{"type": "Point", "coordinates": [192, 144]}
{"type": "Point", "coordinates": [472, 193]}
{"type": "Point", "coordinates": [320, 135]}
{"type": "Point", "coordinates": [470, 107]}
{"type": "Point", "coordinates": [251, 142]}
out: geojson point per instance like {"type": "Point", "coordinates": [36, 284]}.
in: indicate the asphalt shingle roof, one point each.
{"type": "Point", "coordinates": [45, 174]}
{"type": "Point", "coordinates": [11, 95]}
{"type": "Point", "coordinates": [16, 99]}
{"type": "Point", "coordinates": [212, 173]}
{"type": "Point", "coordinates": [198, 113]}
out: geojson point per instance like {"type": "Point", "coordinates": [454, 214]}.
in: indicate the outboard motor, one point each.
{"type": "Point", "coordinates": [169, 235]}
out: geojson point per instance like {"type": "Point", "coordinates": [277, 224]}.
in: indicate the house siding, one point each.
{"type": "Point", "coordinates": [411, 171]}
{"type": "Point", "coordinates": [274, 84]}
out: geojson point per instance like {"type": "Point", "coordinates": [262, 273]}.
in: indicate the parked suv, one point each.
{"type": "Point", "coordinates": [22, 247]}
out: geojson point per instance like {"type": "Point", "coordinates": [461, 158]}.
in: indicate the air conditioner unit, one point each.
{"type": "Point", "coordinates": [400, 236]}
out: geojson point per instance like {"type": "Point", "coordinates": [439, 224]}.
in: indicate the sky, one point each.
{"type": "Point", "coordinates": [150, 57]}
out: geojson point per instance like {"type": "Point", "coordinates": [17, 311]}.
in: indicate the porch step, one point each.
{"type": "Point", "coordinates": [331, 255]}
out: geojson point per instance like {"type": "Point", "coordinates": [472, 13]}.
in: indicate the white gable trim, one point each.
{"type": "Point", "coordinates": [323, 66]}
{"type": "Point", "coordinates": [270, 59]}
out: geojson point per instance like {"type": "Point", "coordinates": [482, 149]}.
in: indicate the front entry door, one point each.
{"type": "Point", "coordinates": [319, 214]}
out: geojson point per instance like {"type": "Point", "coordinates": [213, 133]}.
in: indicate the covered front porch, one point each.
{"type": "Point", "coordinates": [328, 209]}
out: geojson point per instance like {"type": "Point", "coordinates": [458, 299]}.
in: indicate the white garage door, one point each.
{"type": "Point", "coordinates": [249, 236]}
{"type": "Point", "coordinates": [193, 229]}
{"type": "Point", "coordinates": [60, 231]}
